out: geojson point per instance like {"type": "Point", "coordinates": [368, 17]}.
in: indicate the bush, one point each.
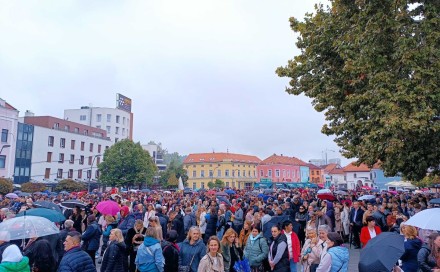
{"type": "Point", "coordinates": [70, 186]}
{"type": "Point", "coordinates": [6, 186]}
{"type": "Point", "coordinates": [30, 187]}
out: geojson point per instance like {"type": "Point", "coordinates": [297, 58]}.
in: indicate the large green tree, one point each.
{"type": "Point", "coordinates": [372, 67]}
{"type": "Point", "coordinates": [127, 164]}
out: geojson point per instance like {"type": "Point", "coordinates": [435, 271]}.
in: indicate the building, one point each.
{"type": "Point", "coordinates": [379, 178]}
{"type": "Point", "coordinates": [8, 127]}
{"type": "Point", "coordinates": [279, 168]}
{"type": "Point", "coordinates": [235, 170]}
{"type": "Point", "coordinates": [51, 149]}
{"type": "Point", "coordinates": [117, 122]}
{"type": "Point", "coordinates": [335, 174]}
{"type": "Point", "coordinates": [316, 174]}
{"type": "Point", "coordinates": [157, 155]}
{"type": "Point", "coordinates": [357, 176]}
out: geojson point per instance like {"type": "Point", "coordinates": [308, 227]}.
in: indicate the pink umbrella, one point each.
{"type": "Point", "coordinates": [108, 207]}
{"type": "Point", "coordinates": [393, 192]}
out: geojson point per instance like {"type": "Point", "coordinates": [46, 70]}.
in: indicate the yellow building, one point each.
{"type": "Point", "coordinates": [235, 170]}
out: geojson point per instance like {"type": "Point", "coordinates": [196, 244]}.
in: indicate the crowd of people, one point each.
{"type": "Point", "coordinates": [285, 230]}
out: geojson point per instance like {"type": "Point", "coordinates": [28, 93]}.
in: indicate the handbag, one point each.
{"type": "Point", "coordinates": [186, 268]}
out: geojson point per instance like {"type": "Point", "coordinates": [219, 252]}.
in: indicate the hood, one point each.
{"type": "Point", "coordinates": [340, 252]}
{"type": "Point", "coordinates": [330, 206]}
{"type": "Point", "coordinates": [149, 241]}
{"type": "Point", "coordinates": [22, 265]}
{"type": "Point", "coordinates": [12, 254]}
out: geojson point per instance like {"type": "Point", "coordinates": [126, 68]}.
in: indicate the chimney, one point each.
{"type": "Point", "coordinates": [28, 113]}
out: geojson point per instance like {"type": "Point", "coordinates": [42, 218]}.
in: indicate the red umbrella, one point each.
{"type": "Point", "coordinates": [329, 197]}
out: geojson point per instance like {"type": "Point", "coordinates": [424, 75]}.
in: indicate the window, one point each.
{"type": "Point", "coordinates": [98, 117]}
{"type": "Point", "coordinates": [202, 173]}
{"type": "Point", "coordinates": [80, 173]}
{"type": "Point", "coordinates": [219, 173]}
{"type": "Point", "coordinates": [313, 172]}
{"type": "Point", "coordinates": [261, 173]}
{"type": "Point", "coordinates": [233, 173]}
{"type": "Point", "coordinates": [86, 132]}
{"type": "Point", "coordinates": [202, 185]}
{"type": "Point", "coordinates": [72, 158]}
{"type": "Point", "coordinates": [277, 173]}
{"type": "Point", "coordinates": [194, 184]}
{"type": "Point", "coordinates": [66, 128]}
{"type": "Point", "coordinates": [194, 173]}
{"type": "Point", "coordinates": [123, 131]}
{"type": "Point", "coordinates": [109, 117]}
{"type": "Point", "coordinates": [227, 183]}
{"type": "Point", "coordinates": [60, 173]}
{"type": "Point", "coordinates": [83, 117]}
{"type": "Point", "coordinates": [355, 175]}
{"type": "Point", "coordinates": [96, 173]}
{"type": "Point", "coordinates": [50, 141]}
{"type": "Point", "coordinates": [288, 173]}
{"type": "Point", "coordinates": [91, 147]}
{"type": "Point", "coordinates": [76, 130]}
{"type": "Point", "coordinates": [108, 128]}
{"type": "Point", "coordinates": [47, 173]}
{"type": "Point", "coordinates": [226, 173]}
{"type": "Point", "coordinates": [56, 125]}
{"type": "Point", "coordinates": [89, 174]}
{"type": "Point", "coordinates": [116, 140]}
{"type": "Point", "coordinates": [2, 161]}
{"type": "Point", "coordinates": [249, 173]}
{"type": "Point", "coordinates": [72, 144]}
{"type": "Point", "coordinates": [123, 120]}
{"type": "Point", "coordinates": [90, 160]}
{"type": "Point", "coordinates": [70, 173]}
{"type": "Point", "coordinates": [99, 148]}
{"type": "Point", "coordinates": [238, 173]}
{"type": "Point", "coordinates": [98, 160]}
{"type": "Point", "coordinates": [82, 146]}
{"type": "Point", "coordinates": [211, 173]}
{"type": "Point", "coordinates": [107, 147]}
{"type": "Point", "coordinates": [62, 142]}
{"type": "Point", "coordinates": [5, 133]}
{"type": "Point", "coordinates": [244, 173]}
{"type": "Point", "coordinates": [116, 130]}
{"type": "Point", "coordinates": [269, 173]}
{"type": "Point", "coordinates": [81, 160]}
{"type": "Point", "coordinates": [284, 173]}
{"type": "Point", "coordinates": [117, 119]}
{"type": "Point", "coordinates": [49, 156]}
{"type": "Point", "coordinates": [61, 158]}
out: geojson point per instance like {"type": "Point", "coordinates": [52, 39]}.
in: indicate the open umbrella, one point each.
{"type": "Point", "coordinates": [381, 253]}
{"type": "Point", "coordinates": [64, 193]}
{"type": "Point", "coordinates": [166, 192]}
{"type": "Point", "coordinates": [435, 201]}
{"type": "Point", "coordinates": [108, 207]}
{"type": "Point", "coordinates": [324, 191]}
{"type": "Point", "coordinates": [73, 203]}
{"type": "Point", "coordinates": [25, 227]}
{"type": "Point", "coordinates": [426, 219]}
{"type": "Point", "coordinates": [23, 194]}
{"type": "Point", "coordinates": [145, 190]}
{"type": "Point", "coordinates": [221, 194]}
{"type": "Point", "coordinates": [52, 215]}
{"type": "Point", "coordinates": [340, 192]}
{"type": "Point", "coordinates": [230, 192]}
{"type": "Point", "coordinates": [268, 191]}
{"type": "Point", "coordinates": [329, 197]}
{"type": "Point", "coordinates": [11, 195]}
{"type": "Point", "coordinates": [47, 205]}
{"type": "Point", "coordinates": [223, 199]}
{"type": "Point", "coordinates": [366, 197]}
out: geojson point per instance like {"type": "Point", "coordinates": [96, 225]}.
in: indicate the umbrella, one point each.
{"type": "Point", "coordinates": [70, 204]}
{"type": "Point", "coordinates": [23, 194]}
{"type": "Point", "coordinates": [340, 192]}
{"type": "Point", "coordinates": [435, 201]}
{"type": "Point", "coordinates": [223, 199]}
{"type": "Point", "coordinates": [426, 219]}
{"type": "Point", "coordinates": [366, 187]}
{"type": "Point", "coordinates": [324, 191]}
{"type": "Point", "coordinates": [381, 253]}
{"type": "Point", "coordinates": [47, 205]}
{"type": "Point", "coordinates": [268, 191]}
{"type": "Point", "coordinates": [393, 192]}
{"type": "Point", "coordinates": [221, 194]}
{"type": "Point", "coordinates": [108, 207]}
{"type": "Point", "coordinates": [230, 192]}
{"type": "Point", "coordinates": [25, 227]}
{"type": "Point", "coordinates": [52, 215]}
{"type": "Point", "coordinates": [64, 193]}
{"type": "Point", "coordinates": [211, 192]}
{"type": "Point", "coordinates": [366, 197]}
{"type": "Point", "coordinates": [11, 195]}
{"type": "Point", "coordinates": [166, 192]}
{"type": "Point", "coordinates": [329, 197]}
{"type": "Point", "coordinates": [145, 190]}
{"type": "Point", "coordinates": [17, 192]}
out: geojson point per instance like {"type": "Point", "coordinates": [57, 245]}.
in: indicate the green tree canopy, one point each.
{"type": "Point", "coordinates": [219, 183]}
{"type": "Point", "coordinates": [6, 186]}
{"type": "Point", "coordinates": [211, 184]}
{"type": "Point", "coordinates": [127, 164]}
{"type": "Point", "coordinates": [32, 187]}
{"type": "Point", "coordinates": [175, 168]}
{"type": "Point", "coordinates": [372, 68]}
{"type": "Point", "coordinates": [70, 185]}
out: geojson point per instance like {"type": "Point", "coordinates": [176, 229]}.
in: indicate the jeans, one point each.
{"type": "Point", "coordinates": [292, 266]}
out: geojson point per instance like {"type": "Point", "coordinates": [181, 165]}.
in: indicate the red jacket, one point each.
{"type": "Point", "coordinates": [296, 248]}
{"type": "Point", "coordinates": [365, 234]}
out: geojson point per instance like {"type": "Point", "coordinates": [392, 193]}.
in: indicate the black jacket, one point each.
{"type": "Point", "coordinates": [171, 255]}
{"type": "Point", "coordinates": [115, 258]}
{"type": "Point", "coordinates": [425, 260]}
{"type": "Point", "coordinates": [211, 226]}
{"type": "Point", "coordinates": [284, 263]}
{"type": "Point", "coordinates": [163, 220]}
{"type": "Point", "coordinates": [358, 220]}
{"type": "Point", "coordinates": [40, 255]}
{"type": "Point", "coordinates": [177, 225]}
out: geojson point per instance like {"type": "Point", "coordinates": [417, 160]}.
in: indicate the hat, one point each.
{"type": "Point", "coordinates": [12, 254]}
{"type": "Point", "coordinates": [125, 210]}
{"type": "Point", "coordinates": [5, 236]}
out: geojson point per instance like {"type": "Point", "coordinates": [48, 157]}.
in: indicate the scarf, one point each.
{"type": "Point", "coordinates": [253, 239]}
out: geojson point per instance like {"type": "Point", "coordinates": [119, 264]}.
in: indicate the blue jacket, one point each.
{"type": "Point", "coordinates": [409, 257]}
{"type": "Point", "coordinates": [115, 258]}
{"type": "Point", "coordinates": [106, 233]}
{"type": "Point", "coordinates": [340, 258]}
{"type": "Point", "coordinates": [149, 256]}
{"type": "Point", "coordinates": [92, 236]}
{"type": "Point", "coordinates": [126, 223]}
{"type": "Point", "coordinates": [188, 251]}
{"type": "Point", "coordinates": [256, 251]}
{"type": "Point", "coordinates": [76, 260]}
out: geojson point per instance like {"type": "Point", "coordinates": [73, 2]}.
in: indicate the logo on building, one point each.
{"type": "Point", "coordinates": [123, 103]}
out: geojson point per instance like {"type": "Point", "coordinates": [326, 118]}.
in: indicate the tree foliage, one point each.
{"type": "Point", "coordinates": [175, 168]}
{"type": "Point", "coordinates": [70, 185]}
{"type": "Point", "coordinates": [428, 181]}
{"type": "Point", "coordinates": [32, 187]}
{"type": "Point", "coordinates": [219, 183]}
{"type": "Point", "coordinates": [127, 164]}
{"type": "Point", "coordinates": [211, 184]}
{"type": "Point", "coordinates": [372, 68]}
{"type": "Point", "coordinates": [6, 186]}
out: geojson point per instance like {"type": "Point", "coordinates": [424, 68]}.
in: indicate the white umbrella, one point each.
{"type": "Point", "coordinates": [366, 197]}
{"type": "Point", "coordinates": [25, 227]}
{"type": "Point", "coordinates": [427, 219]}
{"type": "Point", "coordinates": [166, 192]}
{"type": "Point", "coordinates": [324, 191]}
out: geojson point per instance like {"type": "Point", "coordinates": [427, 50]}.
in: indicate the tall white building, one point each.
{"type": "Point", "coordinates": [8, 129]}
{"type": "Point", "coordinates": [156, 154]}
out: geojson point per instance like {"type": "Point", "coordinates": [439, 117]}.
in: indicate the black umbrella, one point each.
{"type": "Point", "coordinates": [381, 253]}
{"type": "Point", "coordinates": [73, 203]}
{"type": "Point", "coordinates": [435, 201]}
{"type": "Point", "coordinates": [47, 205]}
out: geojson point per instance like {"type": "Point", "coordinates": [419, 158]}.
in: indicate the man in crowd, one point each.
{"type": "Point", "coordinates": [75, 260]}
{"type": "Point", "coordinates": [356, 215]}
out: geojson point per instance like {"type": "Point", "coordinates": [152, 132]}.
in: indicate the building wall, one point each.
{"type": "Point", "coordinates": [8, 125]}
{"type": "Point", "coordinates": [287, 173]}
{"type": "Point", "coordinates": [156, 154]}
{"type": "Point", "coordinates": [380, 179]}
{"type": "Point", "coordinates": [23, 154]}
{"type": "Point", "coordinates": [305, 173]}
{"type": "Point", "coordinates": [353, 177]}
{"type": "Point", "coordinates": [316, 175]}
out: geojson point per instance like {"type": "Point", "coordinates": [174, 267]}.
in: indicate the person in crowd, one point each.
{"type": "Point", "coordinates": [369, 231]}
{"type": "Point", "coordinates": [392, 219]}
{"type": "Point", "coordinates": [177, 225]}
{"type": "Point", "coordinates": [213, 260]}
{"type": "Point", "coordinates": [189, 220]}
{"type": "Point", "coordinates": [412, 246]}
{"type": "Point", "coordinates": [237, 222]}
{"type": "Point", "coordinates": [278, 252]}
{"type": "Point", "coordinates": [337, 256]}
{"type": "Point", "coordinates": [323, 230]}
{"type": "Point", "coordinates": [149, 256]}
{"type": "Point", "coordinates": [338, 218]}
{"type": "Point", "coordinates": [381, 218]}
{"type": "Point", "coordinates": [311, 251]}
{"type": "Point", "coordinates": [40, 256]}
{"type": "Point", "coordinates": [14, 261]}
{"type": "Point", "coordinates": [154, 222]}
{"type": "Point", "coordinates": [68, 227]}
{"type": "Point", "coordinates": [91, 237]}
{"type": "Point", "coordinates": [356, 215]}
{"type": "Point", "coordinates": [75, 259]}
{"type": "Point", "coordinates": [266, 217]}
{"type": "Point", "coordinates": [110, 224]}
{"type": "Point", "coordinates": [428, 255]}
{"type": "Point", "coordinates": [192, 250]}
{"type": "Point", "coordinates": [230, 249]}
{"type": "Point", "coordinates": [301, 217]}
{"type": "Point", "coordinates": [115, 256]}
{"type": "Point", "coordinates": [256, 250]}
{"type": "Point", "coordinates": [5, 239]}
{"type": "Point", "coordinates": [149, 213]}
{"type": "Point", "coordinates": [133, 239]}
{"type": "Point", "coordinates": [202, 220]}
{"type": "Point", "coordinates": [311, 223]}
{"type": "Point", "coordinates": [345, 218]}
{"type": "Point", "coordinates": [170, 252]}
{"type": "Point", "coordinates": [368, 212]}
{"type": "Point", "coordinates": [163, 219]}
{"type": "Point", "coordinates": [244, 234]}
{"type": "Point", "coordinates": [293, 244]}
{"type": "Point", "coordinates": [221, 223]}
{"type": "Point", "coordinates": [211, 226]}
{"type": "Point", "coordinates": [127, 220]}
{"type": "Point", "coordinates": [322, 218]}
{"type": "Point", "coordinates": [77, 218]}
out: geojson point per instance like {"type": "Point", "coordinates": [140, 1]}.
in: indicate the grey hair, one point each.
{"type": "Point", "coordinates": [324, 228]}
{"type": "Point", "coordinates": [68, 224]}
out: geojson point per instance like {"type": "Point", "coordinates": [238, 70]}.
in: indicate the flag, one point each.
{"type": "Point", "coordinates": [124, 103]}
{"type": "Point", "coordinates": [181, 184]}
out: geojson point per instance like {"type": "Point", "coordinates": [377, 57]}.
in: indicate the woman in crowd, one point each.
{"type": "Point", "coordinates": [221, 223]}
{"type": "Point", "coordinates": [192, 250]}
{"type": "Point", "coordinates": [429, 255]}
{"type": "Point", "coordinates": [211, 225]}
{"type": "Point", "coordinates": [369, 231]}
{"type": "Point", "coordinates": [244, 234]}
{"type": "Point", "coordinates": [412, 246]}
{"type": "Point", "coordinates": [345, 219]}
{"type": "Point", "coordinates": [311, 251]}
{"type": "Point", "coordinates": [230, 249]}
{"type": "Point", "coordinates": [202, 220]}
{"type": "Point", "coordinates": [336, 258]}
{"type": "Point", "coordinates": [148, 214]}
{"type": "Point", "coordinates": [256, 249]}
{"type": "Point", "coordinates": [311, 224]}
{"type": "Point", "coordinates": [301, 218]}
{"type": "Point", "coordinates": [40, 256]}
{"type": "Point", "coordinates": [170, 252]}
{"type": "Point", "coordinates": [213, 260]}
{"type": "Point", "coordinates": [76, 217]}
{"type": "Point", "coordinates": [13, 261]}
{"type": "Point", "coordinates": [115, 257]}
{"type": "Point", "coordinates": [154, 223]}
{"type": "Point", "coordinates": [338, 217]}
{"type": "Point", "coordinates": [149, 256]}
{"type": "Point", "coordinates": [278, 252]}
{"type": "Point", "coordinates": [135, 237]}
{"type": "Point", "coordinates": [111, 224]}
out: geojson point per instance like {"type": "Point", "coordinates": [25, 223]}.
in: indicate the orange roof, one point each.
{"type": "Point", "coordinates": [220, 157]}
{"type": "Point", "coordinates": [353, 168]}
{"type": "Point", "coordinates": [275, 159]}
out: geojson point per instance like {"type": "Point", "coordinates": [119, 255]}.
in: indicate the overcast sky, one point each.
{"type": "Point", "coordinates": [201, 74]}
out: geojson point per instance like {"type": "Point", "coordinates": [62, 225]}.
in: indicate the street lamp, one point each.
{"type": "Point", "coordinates": [91, 170]}
{"type": "Point", "coordinates": [5, 146]}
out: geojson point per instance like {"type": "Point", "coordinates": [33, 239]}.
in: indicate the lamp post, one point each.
{"type": "Point", "coordinates": [91, 170]}
{"type": "Point", "coordinates": [5, 146]}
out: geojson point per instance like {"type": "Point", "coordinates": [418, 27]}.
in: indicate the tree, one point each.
{"type": "Point", "coordinates": [127, 164]}
{"type": "Point", "coordinates": [428, 181]}
{"type": "Point", "coordinates": [175, 168]}
{"type": "Point", "coordinates": [6, 186]}
{"type": "Point", "coordinates": [219, 183]}
{"type": "Point", "coordinates": [172, 180]}
{"type": "Point", "coordinates": [211, 185]}
{"type": "Point", "coordinates": [70, 185]}
{"type": "Point", "coordinates": [372, 68]}
{"type": "Point", "coordinates": [32, 187]}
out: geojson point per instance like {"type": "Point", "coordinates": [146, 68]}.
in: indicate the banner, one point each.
{"type": "Point", "coordinates": [123, 103]}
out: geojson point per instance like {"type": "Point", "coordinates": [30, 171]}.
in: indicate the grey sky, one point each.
{"type": "Point", "coordinates": [201, 73]}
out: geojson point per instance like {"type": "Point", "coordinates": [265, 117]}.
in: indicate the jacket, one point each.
{"type": "Point", "coordinates": [163, 220]}
{"type": "Point", "coordinates": [336, 259]}
{"type": "Point", "coordinates": [365, 235]}
{"type": "Point", "coordinates": [202, 224]}
{"type": "Point", "coordinates": [189, 220]}
{"type": "Point", "coordinates": [149, 256]}
{"type": "Point", "coordinates": [76, 260]}
{"type": "Point", "coordinates": [208, 264]}
{"type": "Point", "coordinates": [126, 223]}
{"type": "Point", "coordinates": [358, 219]}
{"type": "Point", "coordinates": [211, 225]}
{"type": "Point", "coordinates": [296, 247]}
{"type": "Point", "coordinates": [381, 220]}
{"type": "Point", "coordinates": [21, 266]}
{"type": "Point", "coordinates": [256, 251]}
{"type": "Point", "coordinates": [170, 252]}
{"type": "Point", "coordinates": [226, 252]}
{"type": "Point", "coordinates": [106, 233]}
{"type": "Point", "coordinates": [115, 258]}
{"type": "Point", "coordinates": [238, 217]}
{"type": "Point", "coordinates": [188, 251]}
{"type": "Point", "coordinates": [92, 236]}
{"type": "Point", "coordinates": [424, 259]}
{"type": "Point", "coordinates": [283, 264]}
{"type": "Point", "coordinates": [177, 225]}
{"type": "Point", "coordinates": [409, 257]}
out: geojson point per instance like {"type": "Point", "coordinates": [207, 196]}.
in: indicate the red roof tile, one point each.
{"type": "Point", "coordinates": [353, 168]}
{"type": "Point", "coordinates": [275, 159]}
{"type": "Point", "coordinates": [220, 157]}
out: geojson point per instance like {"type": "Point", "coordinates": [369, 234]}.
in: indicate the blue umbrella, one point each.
{"type": "Point", "coordinates": [223, 199]}
{"type": "Point", "coordinates": [47, 205]}
{"type": "Point", "coordinates": [230, 192]}
{"type": "Point", "coordinates": [52, 215]}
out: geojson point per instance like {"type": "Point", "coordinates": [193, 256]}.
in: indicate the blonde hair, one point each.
{"type": "Point", "coordinates": [228, 233]}
{"type": "Point", "coordinates": [190, 232]}
{"type": "Point", "coordinates": [110, 219]}
{"type": "Point", "coordinates": [409, 232]}
{"type": "Point", "coordinates": [118, 234]}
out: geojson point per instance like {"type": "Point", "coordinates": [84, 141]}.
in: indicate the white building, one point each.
{"type": "Point", "coordinates": [117, 123]}
{"type": "Point", "coordinates": [62, 149]}
{"type": "Point", "coordinates": [8, 128]}
{"type": "Point", "coordinates": [156, 154]}
{"type": "Point", "coordinates": [358, 176]}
